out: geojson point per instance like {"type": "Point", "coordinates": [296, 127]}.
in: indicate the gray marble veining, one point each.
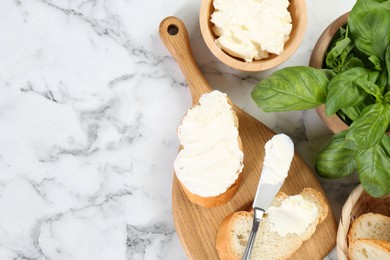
{"type": "Point", "coordinates": [89, 104]}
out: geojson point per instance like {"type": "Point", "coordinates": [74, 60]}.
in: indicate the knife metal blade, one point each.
{"type": "Point", "coordinates": [264, 196]}
{"type": "Point", "coordinates": [266, 192]}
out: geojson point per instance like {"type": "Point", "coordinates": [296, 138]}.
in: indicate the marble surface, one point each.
{"type": "Point", "coordinates": [89, 104]}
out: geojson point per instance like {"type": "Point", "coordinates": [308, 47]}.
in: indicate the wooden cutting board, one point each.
{"type": "Point", "coordinates": [197, 226]}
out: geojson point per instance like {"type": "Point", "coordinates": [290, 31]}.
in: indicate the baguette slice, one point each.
{"type": "Point", "coordinates": [364, 249]}
{"type": "Point", "coordinates": [214, 201]}
{"type": "Point", "coordinates": [370, 226]}
{"type": "Point", "coordinates": [223, 197]}
{"type": "Point", "coordinates": [234, 232]}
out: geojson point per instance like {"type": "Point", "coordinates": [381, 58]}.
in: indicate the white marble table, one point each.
{"type": "Point", "coordinates": [89, 104]}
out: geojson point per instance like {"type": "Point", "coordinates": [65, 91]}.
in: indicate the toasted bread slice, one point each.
{"type": "Point", "coordinates": [370, 226]}
{"type": "Point", "coordinates": [229, 190]}
{"type": "Point", "coordinates": [364, 249]}
{"type": "Point", "coordinates": [234, 232]}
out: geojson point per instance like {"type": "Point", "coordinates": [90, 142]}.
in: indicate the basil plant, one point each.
{"type": "Point", "coordinates": [355, 84]}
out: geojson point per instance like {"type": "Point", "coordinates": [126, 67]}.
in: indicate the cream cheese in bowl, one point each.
{"type": "Point", "coordinates": [251, 29]}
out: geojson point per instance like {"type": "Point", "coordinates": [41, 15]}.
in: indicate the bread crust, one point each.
{"type": "Point", "coordinates": [226, 196]}
{"type": "Point", "coordinates": [224, 240]}
{"type": "Point", "coordinates": [323, 213]}
{"type": "Point", "coordinates": [352, 233]}
{"type": "Point", "coordinates": [310, 192]}
{"type": "Point", "coordinates": [215, 201]}
{"type": "Point", "coordinates": [380, 245]}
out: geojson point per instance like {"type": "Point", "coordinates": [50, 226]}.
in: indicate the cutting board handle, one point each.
{"type": "Point", "coordinates": [174, 35]}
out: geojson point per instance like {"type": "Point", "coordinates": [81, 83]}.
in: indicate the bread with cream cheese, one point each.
{"type": "Point", "coordinates": [234, 232]}
{"type": "Point", "coordinates": [210, 159]}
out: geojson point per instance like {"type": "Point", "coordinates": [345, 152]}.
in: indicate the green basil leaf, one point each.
{"type": "Point", "coordinates": [342, 32]}
{"type": "Point", "coordinates": [335, 160]}
{"type": "Point", "coordinates": [342, 115]}
{"type": "Point", "coordinates": [386, 98]}
{"type": "Point", "coordinates": [292, 88]}
{"type": "Point", "coordinates": [367, 82]}
{"type": "Point", "coordinates": [373, 168]}
{"type": "Point", "coordinates": [342, 91]}
{"type": "Point", "coordinates": [368, 130]}
{"type": "Point", "coordinates": [353, 112]}
{"type": "Point", "coordinates": [353, 62]}
{"type": "Point", "coordinates": [338, 36]}
{"type": "Point", "coordinates": [382, 81]}
{"type": "Point", "coordinates": [329, 74]}
{"type": "Point", "coordinates": [386, 144]}
{"type": "Point", "coordinates": [387, 62]}
{"type": "Point", "coordinates": [336, 57]}
{"type": "Point", "coordinates": [369, 100]}
{"type": "Point", "coordinates": [376, 62]}
{"type": "Point", "coordinates": [369, 23]}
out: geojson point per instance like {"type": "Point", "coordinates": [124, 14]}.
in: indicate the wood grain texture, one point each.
{"type": "Point", "coordinates": [197, 226]}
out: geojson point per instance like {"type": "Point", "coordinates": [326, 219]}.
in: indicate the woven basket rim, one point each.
{"type": "Point", "coordinates": [359, 202]}
{"type": "Point", "coordinates": [345, 220]}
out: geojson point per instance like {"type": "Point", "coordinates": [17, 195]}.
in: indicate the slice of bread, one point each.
{"type": "Point", "coordinates": [214, 201]}
{"type": "Point", "coordinates": [230, 189]}
{"type": "Point", "coordinates": [370, 226]}
{"type": "Point", "coordinates": [369, 249]}
{"type": "Point", "coordinates": [234, 232]}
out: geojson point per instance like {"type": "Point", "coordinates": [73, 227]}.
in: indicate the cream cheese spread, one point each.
{"type": "Point", "coordinates": [279, 152]}
{"type": "Point", "coordinates": [251, 29]}
{"type": "Point", "coordinates": [211, 159]}
{"type": "Point", "coordinates": [294, 216]}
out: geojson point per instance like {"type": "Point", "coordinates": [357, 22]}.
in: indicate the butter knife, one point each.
{"type": "Point", "coordinates": [279, 152]}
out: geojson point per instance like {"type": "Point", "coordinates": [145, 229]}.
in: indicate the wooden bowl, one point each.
{"type": "Point", "coordinates": [358, 203]}
{"type": "Point", "coordinates": [334, 123]}
{"type": "Point", "coordinates": [298, 13]}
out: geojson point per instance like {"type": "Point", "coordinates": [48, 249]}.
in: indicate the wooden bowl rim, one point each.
{"type": "Point", "coordinates": [291, 45]}
{"type": "Point", "coordinates": [333, 122]}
